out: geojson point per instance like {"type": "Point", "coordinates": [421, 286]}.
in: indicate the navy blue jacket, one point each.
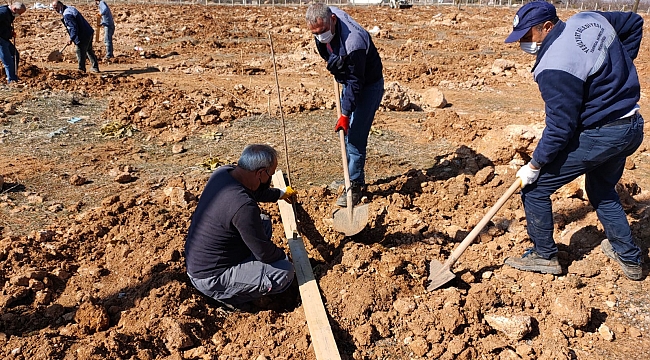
{"type": "Point", "coordinates": [226, 227]}
{"type": "Point", "coordinates": [6, 22]}
{"type": "Point", "coordinates": [78, 28]}
{"type": "Point", "coordinates": [352, 58]}
{"type": "Point", "coordinates": [586, 76]}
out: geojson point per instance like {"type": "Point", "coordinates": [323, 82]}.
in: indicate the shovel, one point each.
{"type": "Point", "coordinates": [56, 55]}
{"type": "Point", "coordinates": [350, 220]}
{"type": "Point", "coordinates": [440, 274]}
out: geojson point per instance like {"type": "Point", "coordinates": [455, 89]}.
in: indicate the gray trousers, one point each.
{"type": "Point", "coordinates": [250, 279]}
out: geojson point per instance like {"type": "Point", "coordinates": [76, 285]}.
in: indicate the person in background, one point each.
{"type": "Point", "coordinates": [229, 253]}
{"type": "Point", "coordinates": [354, 61]}
{"type": "Point", "coordinates": [585, 72]}
{"type": "Point", "coordinates": [8, 53]}
{"type": "Point", "coordinates": [109, 27]}
{"type": "Point", "coordinates": [81, 34]}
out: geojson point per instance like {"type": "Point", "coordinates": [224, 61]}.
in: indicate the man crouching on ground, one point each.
{"type": "Point", "coordinates": [228, 250]}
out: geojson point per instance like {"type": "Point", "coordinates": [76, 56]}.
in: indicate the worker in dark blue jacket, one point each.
{"type": "Point", "coordinates": [587, 78]}
{"type": "Point", "coordinates": [81, 34]}
{"type": "Point", "coordinates": [8, 52]}
{"type": "Point", "coordinates": [354, 61]}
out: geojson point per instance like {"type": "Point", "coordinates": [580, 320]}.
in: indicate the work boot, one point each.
{"type": "Point", "coordinates": [531, 261]}
{"type": "Point", "coordinates": [357, 193]}
{"type": "Point", "coordinates": [631, 270]}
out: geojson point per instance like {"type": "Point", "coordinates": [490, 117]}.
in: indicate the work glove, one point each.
{"type": "Point", "coordinates": [342, 124]}
{"type": "Point", "coordinates": [527, 174]}
{"type": "Point", "coordinates": [288, 194]}
{"type": "Point", "coordinates": [336, 64]}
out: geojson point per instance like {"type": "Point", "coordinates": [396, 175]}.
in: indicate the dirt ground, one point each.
{"type": "Point", "coordinates": [102, 173]}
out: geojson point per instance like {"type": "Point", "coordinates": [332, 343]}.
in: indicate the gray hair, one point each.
{"type": "Point", "coordinates": [19, 6]}
{"type": "Point", "coordinates": [317, 11]}
{"type": "Point", "coordinates": [257, 156]}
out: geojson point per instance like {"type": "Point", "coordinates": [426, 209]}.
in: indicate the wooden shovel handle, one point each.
{"type": "Point", "coordinates": [344, 154]}
{"type": "Point", "coordinates": [477, 229]}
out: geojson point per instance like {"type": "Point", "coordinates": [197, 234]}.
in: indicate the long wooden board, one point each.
{"type": "Point", "coordinates": [319, 326]}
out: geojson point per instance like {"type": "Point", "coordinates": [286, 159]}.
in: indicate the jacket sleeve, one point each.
{"type": "Point", "coordinates": [248, 223]}
{"type": "Point", "coordinates": [629, 28]}
{"type": "Point", "coordinates": [73, 30]}
{"type": "Point", "coordinates": [562, 94]}
{"type": "Point", "coordinates": [355, 80]}
{"type": "Point", "coordinates": [268, 195]}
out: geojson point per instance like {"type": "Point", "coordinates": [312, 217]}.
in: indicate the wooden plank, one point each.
{"type": "Point", "coordinates": [97, 27]}
{"type": "Point", "coordinates": [319, 327]}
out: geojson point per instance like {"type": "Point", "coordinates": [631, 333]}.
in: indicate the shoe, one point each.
{"type": "Point", "coordinates": [357, 193]}
{"type": "Point", "coordinates": [531, 261]}
{"type": "Point", "coordinates": [94, 70]}
{"type": "Point", "coordinates": [631, 270]}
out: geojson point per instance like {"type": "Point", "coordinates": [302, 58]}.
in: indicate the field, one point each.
{"type": "Point", "coordinates": [102, 173]}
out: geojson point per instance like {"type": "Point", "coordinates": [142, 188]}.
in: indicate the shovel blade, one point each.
{"type": "Point", "coordinates": [351, 226]}
{"type": "Point", "coordinates": [55, 56]}
{"type": "Point", "coordinates": [438, 275]}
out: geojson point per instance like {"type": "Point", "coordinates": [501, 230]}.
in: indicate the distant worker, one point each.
{"type": "Point", "coordinates": [229, 253]}
{"type": "Point", "coordinates": [8, 53]}
{"type": "Point", "coordinates": [587, 78]}
{"type": "Point", "coordinates": [354, 61]}
{"type": "Point", "coordinates": [109, 27]}
{"type": "Point", "coordinates": [81, 34]}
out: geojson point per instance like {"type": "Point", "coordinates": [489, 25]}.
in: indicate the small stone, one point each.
{"type": "Point", "coordinates": [419, 346]}
{"type": "Point", "coordinates": [486, 275]}
{"type": "Point", "coordinates": [123, 178]}
{"type": "Point", "coordinates": [404, 306]}
{"type": "Point", "coordinates": [35, 199]}
{"type": "Point", "coordinates": [634, 332]}
{"type": "Point", "coordinates": [77, 180]}
{"type": "Point", "coordinates": [629, 164]}
{"type": "Point", "coordinates": [605, 333]}
{"type": "Point", "coordinates": [514, 327]}
{"type": "Point", "coordinates": [177, 149]}
{"type": "Point", "coordinates": [10, 109]}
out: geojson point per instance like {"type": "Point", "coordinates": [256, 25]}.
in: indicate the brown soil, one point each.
{"type": "Point", "coordinates": [102, 173]}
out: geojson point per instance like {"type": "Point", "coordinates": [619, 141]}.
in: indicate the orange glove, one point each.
{"type": "Point", "coordinates": [288, 194]}
{"type": "Point", "coordinates": [342, 124]}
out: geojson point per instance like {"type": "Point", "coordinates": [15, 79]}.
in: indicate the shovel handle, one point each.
{"type": "Point", "coordinates": [344, 154]}
{"type": "Point", "coordinates": [477, 229]}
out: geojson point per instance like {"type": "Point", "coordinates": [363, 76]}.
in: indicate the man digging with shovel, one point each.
{"type": "Point", "coordinates": [81, 34]}
{"type": "Point", "coordinates": [8, 51]}
{"type": "Point", "coordinates": [354, 61]}
{"type": "Point", "coordinates": [587, 78]}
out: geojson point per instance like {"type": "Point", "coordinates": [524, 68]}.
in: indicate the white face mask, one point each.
{"type": "Point", "coordinates": [327, 36]}
{"type": "Point", "coordinates": [529, 47]}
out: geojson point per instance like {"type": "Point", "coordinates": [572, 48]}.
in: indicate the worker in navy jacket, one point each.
{"type": "Point", "coordinates": [8, 52]}
{"type": "Point", "coordinates": [587, 78]}
{"type": "Point", "coordinates": [81, 34]}
{"type": "Point", "coordinates": [354, 61]}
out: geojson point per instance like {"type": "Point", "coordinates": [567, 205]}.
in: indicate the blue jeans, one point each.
{"type": "Point", "coordinates": [600, 154]}
{"type": "Point", "coordinates": [250, 279]}
{"type": "Point", "coordinates": [85, 49]}
{"type": "Point", "coordinates": [108, 40]}
{"type": "Point", "coordinates": [360, 123]}
{"type": "Point", "coordinates": [7, 53]}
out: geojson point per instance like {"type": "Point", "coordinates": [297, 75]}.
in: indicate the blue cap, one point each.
{"type": "Point", "coordinates": [529, 15]}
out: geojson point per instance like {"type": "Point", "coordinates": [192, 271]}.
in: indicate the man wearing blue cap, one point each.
{"type": "Point", "coordinates": [587, 78]}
